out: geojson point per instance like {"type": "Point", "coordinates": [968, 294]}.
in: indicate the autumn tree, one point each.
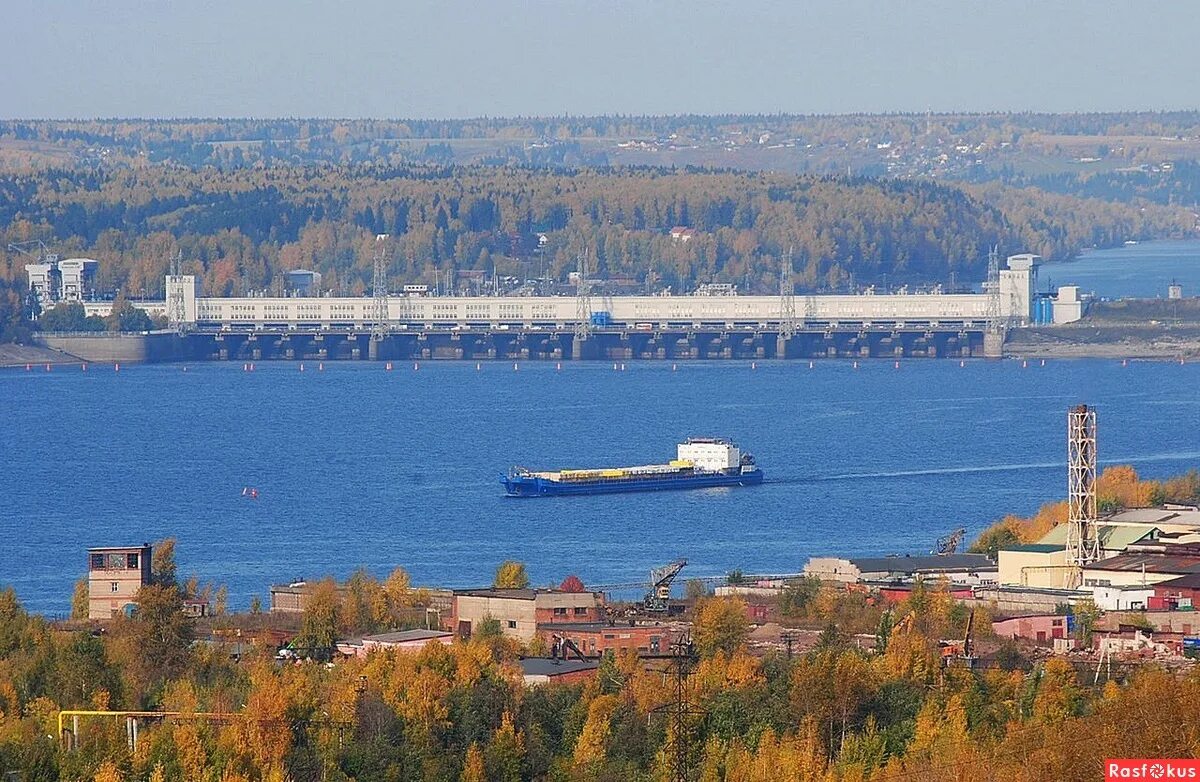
{"type": "Point", "coordinates": [162, 567]}
{"type": "Point", "coordinates": [511, 575]}
{"type": "Point", "coordinates": [720, 625]}
{"type": "Point", "coordinates": [79, 599]}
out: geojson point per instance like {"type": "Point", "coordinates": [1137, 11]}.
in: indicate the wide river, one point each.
{"type": "Point", "coordinates": [357, 466]}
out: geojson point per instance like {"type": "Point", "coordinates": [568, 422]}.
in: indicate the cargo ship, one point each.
{"type": "Point", "coordinates": [700, 462]}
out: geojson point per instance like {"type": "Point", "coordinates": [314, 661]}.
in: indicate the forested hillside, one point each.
{"type": "Point", "coordinates": [238, 228]}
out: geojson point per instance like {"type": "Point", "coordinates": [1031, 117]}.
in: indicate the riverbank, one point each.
{"type": "Point", "coordinates": [1113, 341]}
{"type": "Point", "coordinates": [21, 355]}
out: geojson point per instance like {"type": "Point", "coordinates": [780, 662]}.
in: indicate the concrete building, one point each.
{"type": "Point", "coordinates": [1016, 304]}
{"type": "Point", "coordinates": [1067, 307]}
{"type": "Point", "coordinates": [520, 611]}
{"type": "Point", "coordinates": [408, 641]}
{"type": "Point", "coordinates": [596, 638]}
{"type": "Point", "coordinates": [1017, 288]}
{"type": "Point", "coordinates": [115, 574]}
{"type": "Point", "coordinates": [959, 568]}
{"type": "Point", "coordinates": [1040, 628]}
{"type": "Point", "coordinates": [44, 282]}
{"type": "Point", "coordinates": [77, 279]}
{"type": "Point", "coordinates": [303, 282]}
{"type": "Point", "coordinates": [1121, 598]}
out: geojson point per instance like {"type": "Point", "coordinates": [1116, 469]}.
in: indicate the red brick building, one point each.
{"type": "Point", "coordinates": [595, 638]}
{"type": "Point", "coordinates": [1178, 593]}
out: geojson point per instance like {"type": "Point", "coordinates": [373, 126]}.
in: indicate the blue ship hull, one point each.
{"type": "Point", "coordinates": [533, 486]}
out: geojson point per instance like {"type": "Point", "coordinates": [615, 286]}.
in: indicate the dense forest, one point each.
{"type": "Point", "coordinates": [239, 228]}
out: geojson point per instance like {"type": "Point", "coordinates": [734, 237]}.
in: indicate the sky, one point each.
{"type": "Point", "coordinates": [449, 58]}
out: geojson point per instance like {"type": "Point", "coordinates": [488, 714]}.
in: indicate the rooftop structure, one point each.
{"type": "Point", "coordinates": [401, 640]}
{"type": "Point", "coordinates": [543, 670]}
{"type": "Point", "coordinates": [961, 568]}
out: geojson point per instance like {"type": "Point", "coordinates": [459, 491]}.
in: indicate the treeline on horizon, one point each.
{"type": "Point", "coordinates": [239, 229]}
{"type": "Point", "coordinates": [148, 130]}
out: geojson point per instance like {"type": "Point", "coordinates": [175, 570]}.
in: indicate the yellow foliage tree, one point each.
{"type": "Point", "coordinates": [592, 745]}
{"type": "Point", "coordinates": [511, 575]}
{"type": "Point", "coordinates": [720, 625]}
{"type": "Point", "coordinates": [473, 769]}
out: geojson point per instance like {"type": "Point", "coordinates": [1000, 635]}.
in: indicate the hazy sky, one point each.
{"type": "Point", "coordinates": [447, 58]}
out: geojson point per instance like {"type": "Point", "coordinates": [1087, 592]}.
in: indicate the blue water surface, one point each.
{"type": "Point", "coordinates": [358, 466]}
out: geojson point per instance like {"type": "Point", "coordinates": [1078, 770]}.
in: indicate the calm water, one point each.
{"type": "Point", "coordinates": [1139, 270]}
{"type": "Point", "coordinates": [358, 466]}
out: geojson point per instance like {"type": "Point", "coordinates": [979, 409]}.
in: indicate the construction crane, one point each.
{"type": "Point", "coordinates": [948, 544]}
{"type": "Point", "coordinates": [961, 654]}
{"type": "Point", "coordinates": [658, 599]}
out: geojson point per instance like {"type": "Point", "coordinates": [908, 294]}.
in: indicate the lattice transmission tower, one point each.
{"type": "Point", "coordinates": [379, 290]}
{"type": "Point", "coordinates": [787, 297]}
{"type": "Point", "coordinates": [1083, 539]}
{"type": "Point", "coordinates": [583, 299]}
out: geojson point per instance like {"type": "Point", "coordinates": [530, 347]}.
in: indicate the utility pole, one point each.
{"type": "Point", "coordinates": [1083, 540]}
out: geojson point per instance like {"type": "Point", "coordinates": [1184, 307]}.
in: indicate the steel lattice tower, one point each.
{"type": "Point", "coordinates": [1083, 540]}
{"type": "Point", "coordinates": [995, 322]}
{"type": "Point", "coordinates": [379, 325]}
{"type": "Point", "coordinates": [583, 300]}
{"type": "Point", "coordinates": [787, 298]}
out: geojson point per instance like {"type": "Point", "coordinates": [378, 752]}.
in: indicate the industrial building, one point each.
{"type": "Point", "coordinates": [406, 641]}
{"type": "Point", "coordinates": [69, 280]}
{"type": "Point", "coordinates": [521, 611]}
{"type": "Point", "coordinates": [1016, 286]}
{"type": "Point", "coordinates": [595, 638]}
{"type": "Point", "coordinates": [543, 670]}
{"type": "Point", "coordinates": [958, 568]}
{"type": "Point", "coordinates": [115, 574]}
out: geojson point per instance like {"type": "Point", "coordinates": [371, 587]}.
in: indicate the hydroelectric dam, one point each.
{"type": "Point", "coordinates": [421, 327]}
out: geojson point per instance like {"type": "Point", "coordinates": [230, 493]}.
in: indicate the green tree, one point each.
{"type": "Point", "coordinates": [511, 575]}
{"type": "Point", "coordinates": [159, 635]}
{"type": "Point", "coordinates": [798, 595]}
{"type": "Point", "coordinates": [63, 317]}
{"type": "Point", "coordinates": [321, 620]}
